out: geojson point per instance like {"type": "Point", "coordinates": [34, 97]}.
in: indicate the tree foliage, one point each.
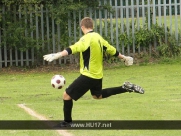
{"type": "Point", "coordinates": [17, 26]}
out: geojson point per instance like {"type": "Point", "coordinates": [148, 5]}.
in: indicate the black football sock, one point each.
{"type": "Point", "coordinates": [67, 109]}
{"type": "Point", "coordinates": [112, 91]}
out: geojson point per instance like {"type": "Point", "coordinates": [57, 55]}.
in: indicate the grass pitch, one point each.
{"type": "Point", "coordinates": [161, 101]}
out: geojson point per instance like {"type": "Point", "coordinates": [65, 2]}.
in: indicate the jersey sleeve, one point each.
{"type": "Point", "coordinates": [110, 49]}
{"type": "Point", "coordinates": [81, 45]}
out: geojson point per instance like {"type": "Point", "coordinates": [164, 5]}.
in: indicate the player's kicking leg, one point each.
{"type": "Point", "coordinates": [97, 93]}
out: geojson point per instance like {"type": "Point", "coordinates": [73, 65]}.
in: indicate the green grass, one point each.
{"type": "Point", "coordinates": [161, 101]}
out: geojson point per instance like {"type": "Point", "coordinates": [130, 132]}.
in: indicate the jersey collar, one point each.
{"type": "Point", "coordinates": [90, 31]}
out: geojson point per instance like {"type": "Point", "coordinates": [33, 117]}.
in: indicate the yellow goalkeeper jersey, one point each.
{"type": "Point", "coordinates": [91, 47]}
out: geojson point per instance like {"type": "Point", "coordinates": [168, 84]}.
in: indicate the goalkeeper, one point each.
{"type": "Point", "coordinates": [91, 47]}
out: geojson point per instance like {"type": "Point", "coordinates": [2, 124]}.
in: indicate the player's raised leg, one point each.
{"type": "Point", "coordinates": [107, 92]}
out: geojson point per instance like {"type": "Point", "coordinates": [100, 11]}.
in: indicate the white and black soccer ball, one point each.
{"type": "Point", "coordinates": [58, 81]}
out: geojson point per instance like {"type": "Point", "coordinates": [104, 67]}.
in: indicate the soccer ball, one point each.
{"type": "Point", "coordinates": [58, 81]}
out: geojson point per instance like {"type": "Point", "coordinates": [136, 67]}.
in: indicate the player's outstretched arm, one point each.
{"type": "Point", "coordinates": [54, 56]}
{"type": "Point", "coordinates": [126, 59]}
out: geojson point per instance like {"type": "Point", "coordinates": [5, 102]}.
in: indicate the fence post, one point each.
{"type": "Point", "coordinates": [75, 26]}
{"type": "Point", "coordinates": [100, 20]}
{"type": "Point", "coordinates": [180, 13]}
{"type": "Point", "coordinates": [53, 37]}
{"type": "Point", "coordinates": [154, 20]}
{"type": "Point", "coordinates": [16, 51]}
{"type": "Point", "coordinates": [32, 49]}
{"type": "Point", "coordinates": [176, 20]}
{"type": "Point", "coordinates": [170, 14]}
{"type": "Point", "coordinates": [0, 51]}
{"type": "Point", "coordinates": [69, 32]}
{"type": "Point", "coordinates": [111, 24]}
{"type": "Point", "coordinates": [122, 24]}
{"type": "Point", "coordinates": [159, 13]}
{"type": "Point", "coordinates": [138, 20]}
{"type": "Point", "coordinates": [37, 26]}
{"type": "Point", "coordinates": [26, 34]}
{"type": "Point", "coordinates": [117, 42]}
{"type": "Point", "coordinates": [59, 46]}
{"type": "Point", "coordinates": [42, 30]}
{"type": "Point", "coordinates": [165, 21]}
{"type": "Point", "coordinates": [4, 32]}
{"type": "Point", "coordinates": [127, 25]}
{"type": "Point", "coordinates": [21, 53]}
{"type": "Point", "coordinates": [105, 20]}
{"type": "Point", "coordinates": [133, 31]}
{"type": "Point", "coordinates": [80, 31]}
{"type": "Point", "coordinates": [149, 21]}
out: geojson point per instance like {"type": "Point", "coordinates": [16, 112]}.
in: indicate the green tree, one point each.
{"type": "Point", "coordinates": [16, 28]}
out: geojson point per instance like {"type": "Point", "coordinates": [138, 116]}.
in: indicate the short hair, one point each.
{"type": "Point", "coordinates": [87, 22]}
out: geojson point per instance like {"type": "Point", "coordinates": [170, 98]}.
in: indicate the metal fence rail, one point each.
{"type": "Point", "coordinates": [108, 24]}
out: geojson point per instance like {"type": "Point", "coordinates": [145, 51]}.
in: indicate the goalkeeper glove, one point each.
{"type": "Point", "coordinates": [127, 60]}
{"type": "Point", "coordinates": [51, 57]}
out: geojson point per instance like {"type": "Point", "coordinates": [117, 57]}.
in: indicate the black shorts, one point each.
{"type": "Point", "coordinates": [82, 84]}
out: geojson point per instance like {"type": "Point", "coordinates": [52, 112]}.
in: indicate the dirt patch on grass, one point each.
{"type": "Point", "coordinates": [4, 98]}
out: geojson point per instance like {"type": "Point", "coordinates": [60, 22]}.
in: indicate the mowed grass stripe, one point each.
{"type": "Point", "coordinates": [41, 117]}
